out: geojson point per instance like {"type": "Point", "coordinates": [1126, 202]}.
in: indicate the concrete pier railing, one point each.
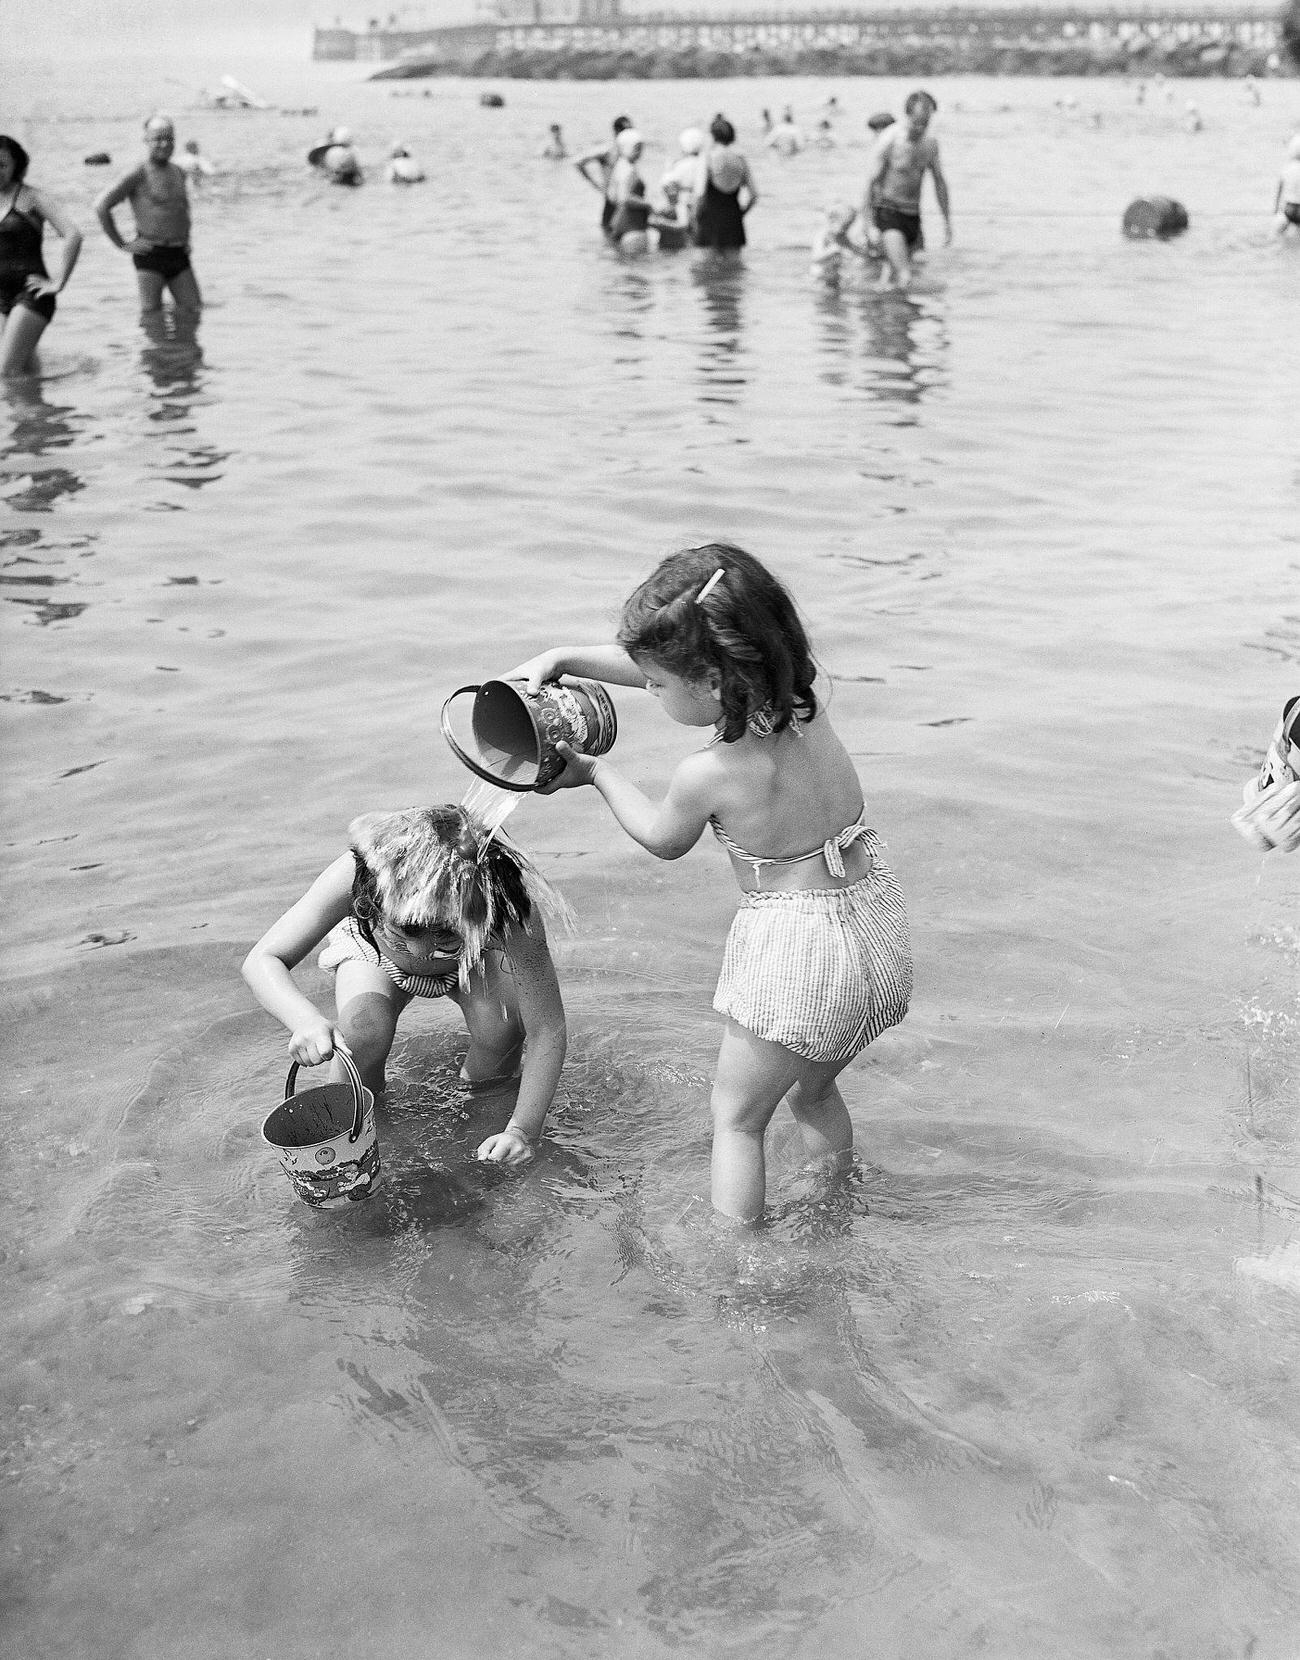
{"type": "Point", "coordinates": [1010, 39]}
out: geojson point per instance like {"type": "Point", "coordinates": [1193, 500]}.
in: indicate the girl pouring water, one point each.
{"type": "Point", "coordinates": [426, 903]}
{"type": "Point", "coordinates": [818, 960]}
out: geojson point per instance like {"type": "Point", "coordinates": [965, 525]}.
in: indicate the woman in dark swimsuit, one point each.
{"type": "Point", "coordinates": [720, 214]}
{"type": "Point", "coordinates": [26, 288]}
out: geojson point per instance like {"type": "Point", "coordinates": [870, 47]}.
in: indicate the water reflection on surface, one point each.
{"type": "Point", "coordinates": [36, 427]}
{"type": "Point", "coordinates": [901, 341]}
{"type": "Point", "coordinates": [722, 365]}
{"type": "Point", "coordinates": [172, 361]}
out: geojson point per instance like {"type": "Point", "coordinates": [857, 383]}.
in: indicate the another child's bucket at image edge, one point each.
{"type": "Point", "coordinates": [326, 1139]}
{"type": "Point", "coordinates": [515, 732]}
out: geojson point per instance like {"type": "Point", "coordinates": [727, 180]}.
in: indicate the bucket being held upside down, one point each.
{"type": "Point", "coordinates": [326, 1139]}
{"type": "Point", "coordinates": [515, 732]}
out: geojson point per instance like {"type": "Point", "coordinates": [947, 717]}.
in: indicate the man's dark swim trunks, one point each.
{"type": "Point", "coordinates": [164, 259]}
{"type": "Point", "coordinates": [890, 217]}
{"type": "Point", "coordinates": [1292, 211]}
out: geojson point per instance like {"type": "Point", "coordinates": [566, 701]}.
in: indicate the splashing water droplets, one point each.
{"type": "Point", "coordinates": [490, 804]}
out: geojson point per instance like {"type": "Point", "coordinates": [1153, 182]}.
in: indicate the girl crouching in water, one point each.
{"type": "Point", "coordinates": [818, 961]}
{"type": "Point", "coordinates": [426, 903]}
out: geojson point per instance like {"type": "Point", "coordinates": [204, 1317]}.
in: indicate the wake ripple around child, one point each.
{"type": "Point", "coordinates": [818, 961]}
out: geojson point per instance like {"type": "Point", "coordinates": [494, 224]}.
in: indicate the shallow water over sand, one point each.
{"type": "Point", "coordinates": [1028, 1386]}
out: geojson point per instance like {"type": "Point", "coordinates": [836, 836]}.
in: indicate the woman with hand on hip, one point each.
{"type": "Point", "coordinates": [27, 291]}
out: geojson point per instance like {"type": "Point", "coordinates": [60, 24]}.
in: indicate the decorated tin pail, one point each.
{"type": "Point", "coordinates": [326, 1139]}
{"type": "Point", "coordinates": [515, 731]}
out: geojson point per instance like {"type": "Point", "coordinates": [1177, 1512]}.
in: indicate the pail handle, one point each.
{"type": "Point", "coordinates": [474, 766]}
{"type": "Point", "coordinates": [358, 1096]}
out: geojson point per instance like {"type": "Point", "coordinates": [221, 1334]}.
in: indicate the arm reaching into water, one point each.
{"type": "Point", "coordinates": [609, 663]}
{"type": "Point", "coordinates": [545, 1040]}
{"type": "Point", "coordinates": [267, 969]}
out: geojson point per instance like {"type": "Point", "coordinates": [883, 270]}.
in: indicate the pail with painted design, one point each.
{"type": "Point", "coordinates": [326, 1139]}
{"type": "Point", "coordinates": [514, 732]}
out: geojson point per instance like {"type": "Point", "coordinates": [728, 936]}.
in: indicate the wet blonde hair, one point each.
{"type": "Point", "coordinates": [426, 866]}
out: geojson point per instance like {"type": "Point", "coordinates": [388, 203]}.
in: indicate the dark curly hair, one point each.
{"type": "Point", "coordinates": [746, 629]}
{"type": "Point", "coordinates": [21, 160]}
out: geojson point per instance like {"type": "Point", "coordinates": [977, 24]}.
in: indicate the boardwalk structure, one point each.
{"type": "Point", "coordinates": [600, 29]}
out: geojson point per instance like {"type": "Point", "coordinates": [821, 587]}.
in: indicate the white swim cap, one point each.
{"type": "Point", "coordinates": [399, 150]}
{"type": "Point", "coordinates": [340, 135]}
{"type": "Point", "coordinates": [691, 141]}
{"type": "Point", "coordinates": [628, 140]}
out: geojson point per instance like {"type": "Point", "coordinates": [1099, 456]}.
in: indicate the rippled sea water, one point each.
{"type": "Point", "coordinates": [1029, 1386]}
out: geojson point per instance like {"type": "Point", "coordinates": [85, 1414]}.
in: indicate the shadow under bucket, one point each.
{"type": "Point", "coordinates": [326, 1139]}
{"type": "Point", "coordinates": [515, 731]}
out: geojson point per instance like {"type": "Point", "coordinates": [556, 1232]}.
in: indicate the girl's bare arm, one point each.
{"type": "Point", "coordinates": [546, 1040]}
{"type": "Point", "coordinates": [609, 663]}
{"type": "Point", "coordinates": [267, 969]}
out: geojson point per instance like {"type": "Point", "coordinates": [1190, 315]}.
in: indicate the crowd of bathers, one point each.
{"type": "Point", "coordinates": [702, 200]}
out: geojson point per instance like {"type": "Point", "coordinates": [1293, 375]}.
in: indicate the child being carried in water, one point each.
{"type": "Point", "coordinates": [818, 961]}
{"type": "Point", "coordinates": [426, 903]}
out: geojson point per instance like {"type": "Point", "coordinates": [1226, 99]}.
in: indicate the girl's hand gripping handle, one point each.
{"type": "Point", "coordinates": [579, 769]}
{"type": "Point", "coordinates": [316, 1041]}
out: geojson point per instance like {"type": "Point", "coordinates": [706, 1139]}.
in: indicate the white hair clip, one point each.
{"type": "Point", "coordinates": [710, 585]}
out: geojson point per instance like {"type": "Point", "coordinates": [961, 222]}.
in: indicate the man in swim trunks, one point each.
{"type": "Point", "coordinates": [160, 203]}
{"type": "Point", "coordinates": [904, 155]}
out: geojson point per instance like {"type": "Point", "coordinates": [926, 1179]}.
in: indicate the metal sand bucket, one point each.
{"type": "Point", "coordinates": [515, 731]}
{"type": "Point", "coordinates": [326, 1139]}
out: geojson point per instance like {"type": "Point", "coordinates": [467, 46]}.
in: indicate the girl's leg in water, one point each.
{"type": "Point", "coordinates": [368, 1005]}
{"type": "Point", "coordinates": [492, 1018]}
{"type": "Point", "coordinates": [752, 1079]}
{"type": "Point", "coordinates": [21, 330]}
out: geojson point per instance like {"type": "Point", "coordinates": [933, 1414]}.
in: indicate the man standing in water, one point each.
{"type": "Point", "coordinates": [605, 158]}
{"type": "Point", "coordinates": [904, 155]}
{"type": "Point", "coordinates": [160, 203]}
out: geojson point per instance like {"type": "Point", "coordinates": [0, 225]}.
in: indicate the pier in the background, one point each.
{"type": "Point", "coordinates": [596, 26]}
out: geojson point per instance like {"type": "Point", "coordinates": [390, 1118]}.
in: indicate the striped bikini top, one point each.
{"type": "Point", "coordinates": [832, 850]}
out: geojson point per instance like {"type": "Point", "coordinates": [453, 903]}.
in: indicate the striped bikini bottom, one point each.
{"type": "Point", "coordinates": [822, 972]}
{"type": "Point", "coordinates": [345, 944]}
